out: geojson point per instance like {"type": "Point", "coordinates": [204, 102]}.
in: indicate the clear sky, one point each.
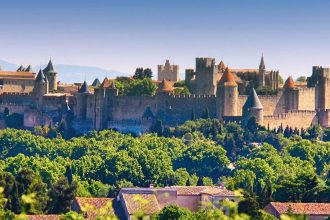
{"type": "Point", "coordinates": [121, 35]}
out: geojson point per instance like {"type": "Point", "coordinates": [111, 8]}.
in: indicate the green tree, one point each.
{"type": "Point", "coordinates": [14, 120]}
{"type": "Point", "coordinates": [141, 87]}
{"type": "Point", "coordinates": [301, 79]}
{"type": "Point", "coordinates": [61, 195]}
{"type": "Point", "coordinates": [173, 212]}
{"type": "Point", "coordinates": [141, 73]}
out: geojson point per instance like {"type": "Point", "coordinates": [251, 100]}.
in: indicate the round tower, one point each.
{"type": "Point", "coordinates": [227, 95]}
{"type": "Point", "coordinates": [290, 95]}
{"type": "Point", "coordinates": [40, 86]}
{"type": "Point", "coordinates": [51, 75]}
{"type": "Point", "coordinates": [81, 101]}
{"type": "Point", "coordinates": [252, 109]}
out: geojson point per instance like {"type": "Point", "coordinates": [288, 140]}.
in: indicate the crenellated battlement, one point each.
{"type": "Point", "coordinates": [290, 114]}
{"type": "Point", "coordinates": [182, 96]}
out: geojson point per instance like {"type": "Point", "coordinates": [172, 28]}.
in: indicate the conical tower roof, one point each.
{"type": "Point", "coordinates": [20, 68]}
{"type": "Point", "coordinates": [221, 66]}
{"type": "Point", "coordinates": [49, 67]}
{"type": "Point", "coordinates": [289, 83]}
{"type": "Point", "coordinates": [165, 86]}
{"type": "Point", "coordinates": [41, 77]}
{"type": "Point", "coordinates": [96, 82]}
{"type": "Point", "coordinates": [262, 62]}
{"type": "Point", "coordinates": [253, 101]}
{"type": "Point", "coordinates": [228, 78]}
{"type": "Point", "coordinates": [84, 88]}
{"type": "Point", "coordinates": [105, 83]}
{"type": "Point", "coordinates": [29, 69]}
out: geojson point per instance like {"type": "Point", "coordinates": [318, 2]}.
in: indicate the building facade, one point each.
{"type": "Point", "coordinates": [104, 108]}
{"type": "Point", "coordinates": [168, 72]}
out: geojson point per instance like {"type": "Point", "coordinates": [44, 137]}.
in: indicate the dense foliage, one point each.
{"type": "Point", "coordinates": [267, 165]}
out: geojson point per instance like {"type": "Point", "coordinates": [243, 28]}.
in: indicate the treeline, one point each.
{"type": "Point", "coordinates": [265, 164]}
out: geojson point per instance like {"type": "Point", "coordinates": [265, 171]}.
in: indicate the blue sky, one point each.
{"type": "Point", "coordinates": [125, 34]}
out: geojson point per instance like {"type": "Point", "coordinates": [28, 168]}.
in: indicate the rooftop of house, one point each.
{"type": "Point", "coordinates": [141, 203]}
{"type": "Point", "coordinates": [92, 207]}
{"type": "Point", "coordinates": [14, 75]}
{"type": "Point", "coordinates": [40, 217]}
{"type": "Point", "coordinates": [183, 190]}
{"type": "Point", "coordinates": [300, 208]}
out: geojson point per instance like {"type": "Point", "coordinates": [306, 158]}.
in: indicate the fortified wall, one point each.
{"type": "Point", "coordinates": [294, 119]}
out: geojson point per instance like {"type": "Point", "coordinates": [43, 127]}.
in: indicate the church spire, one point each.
{"type": "Point", "coordinates": [262, 62]}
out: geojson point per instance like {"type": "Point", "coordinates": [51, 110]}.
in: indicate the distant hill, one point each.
{"type": "Point", "coordinates": [7, 66]}
{"type": "Point", "coordinates": [73, 73]}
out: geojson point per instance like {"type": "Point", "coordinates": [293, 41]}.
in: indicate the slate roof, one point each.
{"type": "Point", "coordinates": [253, 101]}
{"type": "Point", "coordinates": [300, 208]}
{"type": "Point", "coordinates": [41, 77]}
{"type": "Point", "coordinates": [84, 88]}
{"type": "Point", "coordinates": [29, 69]}
{"type": "Point", "coordinates": [96, 82]}
{"type": "Point", "coordinates": [49, 67]}
{"type": "Point", "coordinates": [228, 78]}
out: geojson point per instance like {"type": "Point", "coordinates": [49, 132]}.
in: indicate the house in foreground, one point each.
{"type": "Point", "coordinates": [135, 201]}
{"type": "Point", "coordinates": [315, 211]}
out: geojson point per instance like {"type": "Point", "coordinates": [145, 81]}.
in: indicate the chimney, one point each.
{"type": "Point", "coordinates": [222, 185]}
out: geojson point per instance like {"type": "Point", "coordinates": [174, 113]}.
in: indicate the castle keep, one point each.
{"type": "Point", "coordinates": [226, 94]}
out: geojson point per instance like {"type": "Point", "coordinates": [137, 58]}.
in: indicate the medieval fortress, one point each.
{"type": "Point", "coordinates": [227, 94]}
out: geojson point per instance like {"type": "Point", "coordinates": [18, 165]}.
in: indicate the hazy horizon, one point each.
{"type": "Point", "coordinates": [124, 35]}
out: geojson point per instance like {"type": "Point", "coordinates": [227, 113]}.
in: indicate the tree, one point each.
{"type": "Point", "coordinates": [141, 87]}
{"type": "Point", "coordinates": [158, 128]}
{"type": "Point", "coordinates": [249, 205]}
{"type": "Point", "coordinates": [174, 213]}
{"type": "Point", "coordinates": [301, 79]}
{"type": "Point", "coordinates": [14, 120]}
{"type": "Point", "coordinates": [141, 73]}
{"type": "Point", "coordinates": [61, 196]}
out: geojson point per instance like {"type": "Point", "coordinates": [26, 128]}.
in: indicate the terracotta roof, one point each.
{"type": "Point", "coordinates": [13, 74]}
{"type": "Point", "coordinates": [289, 83]}
{"type": "Point", "coordinates": [238, 71]}
{"type": "Point", "coordinates": [165, 86]}
{"type": "Point", "coordinates": [141, 203]}
{"type": "Point", "coordinates": [300, 208]}
{"type": "Point", "coordinates": [221, 66]}
{"type": "Point", "coordinates": [40, 217]}
{"type": "Point", "coordinates": [105, 83]}
{"type": "Point", "coordinates": [196, 190]}
{"type": "Point", "coordinates": [217, 191]}
{"type": "Point", "coordinates": [96, 206]}
{"type": "Point", "coordinates": [228, 78]}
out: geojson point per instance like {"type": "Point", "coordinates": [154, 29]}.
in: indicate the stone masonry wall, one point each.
{"type": "Point", "coordinates": [306, 99]}
{"type": "Point", "coordinates": [298, 118]}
